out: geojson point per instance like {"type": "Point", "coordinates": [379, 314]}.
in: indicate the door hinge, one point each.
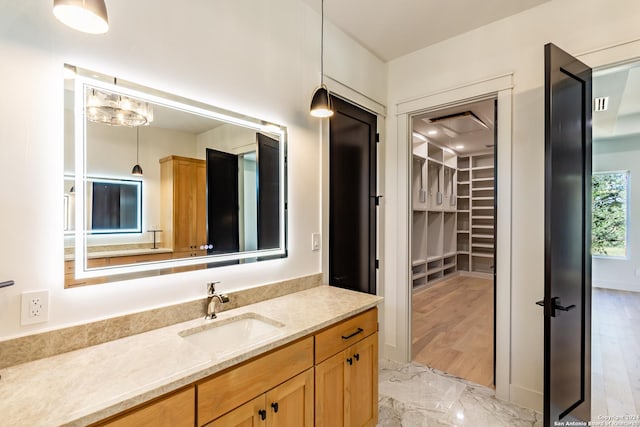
{"type": "Point", "coordinates": [377, 263]}
{"type": "Point", "coordinates": [378, 200]}
{"type": "Point", "coordinates": [377, 137]}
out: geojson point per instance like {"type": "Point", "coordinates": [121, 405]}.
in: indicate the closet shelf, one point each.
{"type": "Point", "coordinates": [483, 236]}
{"type": "Point", "coordinates": [481, 255]}
{"type": "Point", "coordinates": [481, 188]}
{"type": "Point", "coordinates": [482, 217]}
{"type": "Point", "coordinates": [481, 179]}
{"type": "Point", "coordinates": [463, 231]}
{"type": "Point", "coordinates": [448, 266]}
{"type": "Point", "coordinates": [478, 168]}
{"type": "Point", "coordinates": [418, 262]}
{"type": "Point", "coordinates": [434, 258]}
{"type": "Point", "coordinates": [483, 226]}
{"type": "Point", "coordinates": [482, 198]}
{"type": "Point", "coordinates": [433, 270]}
{"type": "Point", "coordinates": [482, 245]}
{"type": "Point", "coordinates": [418, 276]}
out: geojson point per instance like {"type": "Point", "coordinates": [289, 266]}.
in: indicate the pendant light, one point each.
{"type": "Point", "coordinates": [88, 16]}
{"type": "Point", "coordinates": [137, 169]}
{"type": "Point", "coordinates": [321, 102]}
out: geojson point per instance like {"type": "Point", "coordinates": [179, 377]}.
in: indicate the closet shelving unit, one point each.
{"type": "Point", "coordinates": [476, 223]}
{"type": "Point", "coordinates": [434, 221]}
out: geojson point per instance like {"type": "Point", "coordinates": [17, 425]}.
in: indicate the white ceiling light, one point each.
{"type": "Point", "coordinates": [117, 110]}
{"type": "Point", "coordinates": [419, 136]}
{"type": "Point", "coordinates": [432, 132]}
{"type": "Point", "coordinates": [88, 16]}
{"type": "Point", "coordinates": [459, 147]}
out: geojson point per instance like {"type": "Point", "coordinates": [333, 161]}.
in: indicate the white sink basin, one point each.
{"type": "Point", "coordinates": [232, 335]}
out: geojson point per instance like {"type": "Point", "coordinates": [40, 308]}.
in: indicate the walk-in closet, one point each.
{"type": "Point", "coordinates": [453, 243]}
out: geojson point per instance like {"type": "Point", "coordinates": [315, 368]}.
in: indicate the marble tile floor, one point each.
{"type": "Point", "coordinates": [413, 395]}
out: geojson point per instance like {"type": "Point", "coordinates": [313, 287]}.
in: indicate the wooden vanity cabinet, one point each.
{"type": "Point", "coordinates": [346, 383]}
{"type": "Point", "coordinates": [183, 201]}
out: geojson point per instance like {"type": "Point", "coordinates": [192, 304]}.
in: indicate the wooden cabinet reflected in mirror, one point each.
{"type": "Point", "coordinates": [212, 192]}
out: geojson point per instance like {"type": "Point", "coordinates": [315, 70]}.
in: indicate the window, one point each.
{"type": "Point", "coordinates": [610, 213]}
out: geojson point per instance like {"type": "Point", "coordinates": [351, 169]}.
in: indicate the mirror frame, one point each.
{"type": "Point", "coordinates": [85, 79]}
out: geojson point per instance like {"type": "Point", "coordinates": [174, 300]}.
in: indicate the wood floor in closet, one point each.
{"type": "Point", "coordinates": [452, 327]}
{"type": "Point", "coordinates": [615, 354]}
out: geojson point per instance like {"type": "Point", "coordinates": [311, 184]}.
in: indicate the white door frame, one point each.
{"type": "Point", "coordinates": [499, 87]}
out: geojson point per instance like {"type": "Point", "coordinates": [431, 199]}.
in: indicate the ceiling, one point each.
{"type": "Point", "coordinates": [622, 85]}
{"type": "Point", "coordinates": [392, 28]}
{"type": "Point", "coordinates": [464, 135]}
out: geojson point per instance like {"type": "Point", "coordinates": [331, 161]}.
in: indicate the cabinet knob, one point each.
{"type": "Point", "coordinates": [350, 361]}
{"type": "Point", "coordinates": [263, 414]}
{"type": "Point", "coordinates": [275, 407]}
{"type": "Point", "coordinates": [356, 356]}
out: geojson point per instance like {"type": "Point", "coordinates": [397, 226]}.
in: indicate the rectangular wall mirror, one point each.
{"type": "Point", "coordinates": [157, 184]}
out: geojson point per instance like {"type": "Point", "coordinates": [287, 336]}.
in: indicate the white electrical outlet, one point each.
{"type": "Point", "coordinates": [35, 307]}
{"type": "Point", "coordinates": [315, 242]}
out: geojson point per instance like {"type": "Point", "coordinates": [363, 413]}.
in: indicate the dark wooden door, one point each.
{"type": "Point", "coordinates": [222, 202]}
{"type": "Point", "coordinates": [268, 192]}
{"type": "Point", "coordinates": [352, 198]}
{"type": "Point", "coordinates": [567, 292]}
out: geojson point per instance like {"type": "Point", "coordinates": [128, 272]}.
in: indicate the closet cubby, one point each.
{"type": "Point", "coordinates": [434, 235]}
{"type": "Point", "coordinates": [418, 184]}
{"type": "Point", "coordinates": [449, 234]}
{"type": "Point", "coordinates": [435, 152]}
{"type": "Point", "coordinates": [450, 189]}
{"type": "Point", "coordinates": [435, 177]}
{"type": "Point", "coordinates": [462, 241]}
{"type": "Point", "coordinates": [463, 162]}
{"type": "Point", "coordinates": [419, 240]}
{"type": "Point", "coordinates": [463, 221]}
{"type": "Point", "coordinates": [483, 160]}
{"type": "Point", "coordinates": [462, 262]}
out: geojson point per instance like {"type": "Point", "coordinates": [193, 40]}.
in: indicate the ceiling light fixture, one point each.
{"type": "Point", "coordinates": [117, 110]}
{"type": "Point", "coordinates": [137, 169]}
{"type": "Point", "coordinates": [420, 136]}
{"type": "Point", "coordinates": [432, 132]}
{"type": "Point", "coordinates": [459, 147]}
{"type": "Point", "coordinates": [88, 16]}
{"type": "Point", "coordinates": [321, 101]}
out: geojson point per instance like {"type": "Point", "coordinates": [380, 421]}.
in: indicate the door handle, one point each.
{"type": "Point", "coordinates": [555, 305]}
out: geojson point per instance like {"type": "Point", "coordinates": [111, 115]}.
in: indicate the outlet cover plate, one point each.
{"type": "Point", "coordinates": [34, 307]}
{"type": "Point", "coordinates": [315, 242]}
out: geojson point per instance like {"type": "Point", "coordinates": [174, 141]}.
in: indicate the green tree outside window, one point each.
{"type": "Point", "coordinates": [609, 231]}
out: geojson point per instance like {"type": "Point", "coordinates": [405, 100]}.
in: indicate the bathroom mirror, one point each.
{"type": "Point", "coordinates": [155, 183]}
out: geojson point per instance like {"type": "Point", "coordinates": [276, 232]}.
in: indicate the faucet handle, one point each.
{"type": "Point", "coordinates": [211, 287]}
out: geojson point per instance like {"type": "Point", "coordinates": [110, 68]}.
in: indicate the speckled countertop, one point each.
{"type": "Point", "coordinates": [84, 386]}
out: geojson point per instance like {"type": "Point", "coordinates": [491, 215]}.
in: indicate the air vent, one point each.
{"type": "Point", "coordinates": [601, 104]}
{"type": "Point", "coordinates": [459, 123]}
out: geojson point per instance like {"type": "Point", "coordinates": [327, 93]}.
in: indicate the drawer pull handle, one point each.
{"type": "Point", "coordinates": [357, 357]}
{"type": "Point", "coordinates": [350, 361]}
{"type": "Point", "coordinates": [353, 334]}
{"type": "Point", "coordinates": [263, 414]}
{"type": "Point", "coordinates": [275, 407]}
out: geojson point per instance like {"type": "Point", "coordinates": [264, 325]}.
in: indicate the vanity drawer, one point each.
{"type": "Point", "coordinates": [338, 337]}
{"type": "Point", "coordinates": [234, 387]}
{"type": "Point", "coordinates": [174, 410]}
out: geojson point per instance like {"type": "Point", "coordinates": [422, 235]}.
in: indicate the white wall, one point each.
{"type": "Point", "coordinates": [511, 45]}
{"type": "Point", "coordinates": [257, 58]}
{"type": "Point", "coordinates": [617, 155]}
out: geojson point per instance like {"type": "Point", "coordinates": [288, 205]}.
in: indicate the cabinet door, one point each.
{"type": "Point", "coordinates": [251, 414]}
{"type": "Point", "coordinates": [361, 378]}
{"type": "Point", "coordinates": [291, 403]}
{"type": "Point", "coordinates": [330, 388]}
{"type": "Point", "coordinates": [176, 410]}
{"type": "Point", "coordinates": [183, 203]}
{"type": "Point", "coordinates": [199, 219]}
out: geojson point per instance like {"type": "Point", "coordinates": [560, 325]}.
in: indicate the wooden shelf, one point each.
{"type": "Point", "coordinates": [463, 253]}
{"type": "Point", "coordinates": [434, 258]}
{"type": "Point", "coordinates": [433, 270]}
{"type": "Point", "coordinates": [418, 262]}
{"type": "Point", "coordinates": [482, 245]}
{"type": "Point", "coordinates": [462, 231]}
{"type": "Point", "coordinates": [483, 226]}
{"type": "Point", "coordinates": [478, 168]}
{"type": "Point", "coordinates": [483, 236]}
{"type": "Point", "coordinates": [448, 266]}
{"type": "Point", "coordinates": [418, 276]}
{"type": "Point", "coordinates": [480, 179]}
{"type": "Point", "coordinates": [481, 255]}
{"type": "Point", "coordinates": [482, 217]}
{"type": "Point", "coordinates": [482, 198]}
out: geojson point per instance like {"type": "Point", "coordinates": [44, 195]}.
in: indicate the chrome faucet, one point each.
{"type": "Point", "coordinates": [213, 299]}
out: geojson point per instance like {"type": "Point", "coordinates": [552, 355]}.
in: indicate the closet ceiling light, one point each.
{"type": "Point", "coordinates": [432, 132]}
{"type": "Point", "coordinates": [459, 147]}
{"type": "Point", "coordinates": [419, 136]}
{"type": "Point", "coordinates": [117, 110]}
{"type": "Point", "coordinates": [88, 16]}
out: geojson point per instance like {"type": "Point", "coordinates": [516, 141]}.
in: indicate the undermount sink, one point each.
{"type": "Point", "coordinates": [234, 334]}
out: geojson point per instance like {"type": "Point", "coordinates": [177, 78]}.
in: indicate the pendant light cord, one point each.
{"type": "Point", "coordinates": [322, 43]}
{"type": "Point", "coordinates": [137, 145]}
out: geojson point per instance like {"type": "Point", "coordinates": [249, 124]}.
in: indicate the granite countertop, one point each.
{"type": "Point", "coordinates": [87, 385]}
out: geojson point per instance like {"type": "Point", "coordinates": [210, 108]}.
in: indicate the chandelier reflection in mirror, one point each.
{"type": "Point", "coordinates": [117, 110]}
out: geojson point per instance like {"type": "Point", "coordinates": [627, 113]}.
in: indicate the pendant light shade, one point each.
{"type": "Point", "coordinates": [88, 16]}
{"type": "Point", "coordinates": [321, 102]}
{"type": "Point", "coordinates": [137, 169]}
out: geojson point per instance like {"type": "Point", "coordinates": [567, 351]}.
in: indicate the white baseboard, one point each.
{"type": "Point", "coordinates": [526, 398]}
{"type": "Point", "coordinates": [619, 286]}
